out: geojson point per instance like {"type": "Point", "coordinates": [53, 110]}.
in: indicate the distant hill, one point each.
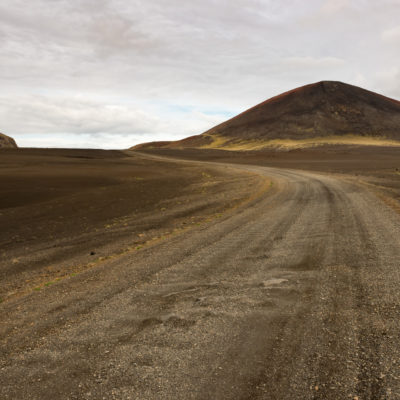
{"type": "Point", "coordinates": [7, 142]}
{"type": "Point", "coordinates": [319, 113]}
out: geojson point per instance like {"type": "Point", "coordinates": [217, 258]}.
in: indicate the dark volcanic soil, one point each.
{"type": "Point", "coordinates": [377, 167]}
{"type": "Point", "coordinates": [62, 211]}
{"type": "Point", "coordinates": [293, 294]}
{"type": "Point", "coordinates": [317, 110]}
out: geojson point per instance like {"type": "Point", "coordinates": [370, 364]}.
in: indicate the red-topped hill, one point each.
{"type": "Point", "coordinates": [318, 110]}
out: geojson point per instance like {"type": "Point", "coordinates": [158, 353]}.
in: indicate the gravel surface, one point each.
{"type": "Point", "coordinates": [66, 210]}
{"type": "Point", "coordinates": [293, 296]}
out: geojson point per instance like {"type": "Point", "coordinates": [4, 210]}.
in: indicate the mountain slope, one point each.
{"type": "Point", "coordinates": [7, 142]}
{"type": "Point", "coordinates": [326, 111]}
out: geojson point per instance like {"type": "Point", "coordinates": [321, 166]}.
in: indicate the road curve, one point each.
{"type": "Point", "coordinates": [295, 296]}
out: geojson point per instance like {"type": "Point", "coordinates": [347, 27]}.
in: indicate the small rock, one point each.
{"type": "Point", "coordinates": [200, 299]}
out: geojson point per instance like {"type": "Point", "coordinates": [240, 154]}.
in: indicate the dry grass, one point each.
{"type": "Point", "coordinates": [285, 144]}
{"type": "Point", "coordinates": [218, 142]}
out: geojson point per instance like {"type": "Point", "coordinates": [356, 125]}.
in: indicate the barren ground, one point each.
{"type": "Point", "coordinates": [63, 211]}
{"type": "Point", "coordinates": [377, 167]}
{"type": "Point", "coordinates": [292, 294]}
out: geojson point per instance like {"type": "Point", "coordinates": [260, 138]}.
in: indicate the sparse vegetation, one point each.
{"type": "Point", "coordinates": [259, 144]}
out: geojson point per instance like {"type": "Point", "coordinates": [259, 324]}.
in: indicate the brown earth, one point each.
{"type": "Point", "coordinates": [292, 294]}
{"type": "Point", "coordinates": [374, 166]}
{"type": "Point", "coordinates": [62, 211]}
{"type": "Point", "coordinates": [7, 142]}
{"type": "Point", "coordinates": [317, 110]}
{"type": "Point", "coordinates": [326, 111]}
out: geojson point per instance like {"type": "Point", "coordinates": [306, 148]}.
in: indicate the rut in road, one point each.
{"type": "Point", "coordinates": [294, 296]}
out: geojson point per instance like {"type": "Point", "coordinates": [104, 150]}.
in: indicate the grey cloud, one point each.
{"type": "Point", "coordinates": [312, 62]}
{"type": "Point", "coordinates": [392, 35]}
{"type": "Point", "coordinates": [41, 114]}
{"type": "Point", "coordinates": [121, 57]}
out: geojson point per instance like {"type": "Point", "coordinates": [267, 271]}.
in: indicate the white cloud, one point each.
{"type": "Point", "coordinates": [360, 80]}
{"type": "Point", "coordinates": [334, 6]}
{"type": "Point", "coordinates": [40, 114]}
{"type": "Point", "coordinates": [73, 140]}
{"type": "Point", "coordinates": [392, 35]}
{"type": "Point", "coordinates": [77, 122]}
{"type": "Point", "coordinates": [116, 67]}
{"type": "Point", "coordinates": [389, 80]}
{"type": "Point", "coordinates": [312, 62]}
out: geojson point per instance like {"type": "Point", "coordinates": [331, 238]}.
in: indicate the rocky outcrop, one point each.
{"type": "Point", "coordinates": [7, 142]}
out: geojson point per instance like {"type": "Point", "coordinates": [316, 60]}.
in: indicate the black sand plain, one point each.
{"type": "Point", "coordinates": [251, 275]}
{"type": "Point", "coordinates": [64, 210]}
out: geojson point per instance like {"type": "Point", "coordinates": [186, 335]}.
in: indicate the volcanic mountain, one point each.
{"type": "Point", "coordinates": [7, 142]}
{"type": "Point", "coordinates": [319, 113]}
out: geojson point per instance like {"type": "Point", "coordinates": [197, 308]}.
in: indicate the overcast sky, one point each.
{"type": "Point", "coordinates": [113, 73]}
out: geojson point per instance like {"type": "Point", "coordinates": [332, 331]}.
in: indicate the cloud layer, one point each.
{"type": "Point", "coordinates": [112, 73]}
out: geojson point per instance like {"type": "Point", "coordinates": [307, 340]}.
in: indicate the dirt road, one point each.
{"type": "Point", "coordinates": [294, 296]}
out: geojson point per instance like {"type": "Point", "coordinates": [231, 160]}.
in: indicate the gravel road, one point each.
{"type": "Point", "coordinates": [294, 296]}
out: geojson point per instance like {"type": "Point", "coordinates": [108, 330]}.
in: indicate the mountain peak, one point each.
{"type": "Point", "coordinates": [319, 109]}
{"type": "Point", "coordinates": [312, 113]}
